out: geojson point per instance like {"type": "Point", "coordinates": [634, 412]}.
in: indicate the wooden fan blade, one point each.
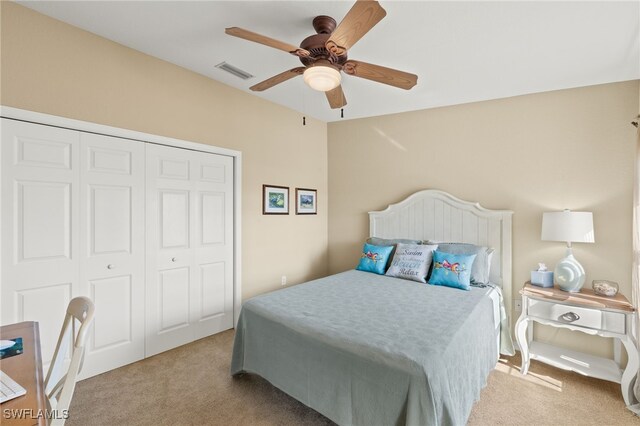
{"type": "Point", "coordinates": [277, 79]}
{"type": "Point", "coordinates": [401, 79]}
{"type": "Point", "coordinates": [336, 98]}
{"type": "Point", "coordinates": [267, 41]}
{"type": "Point", "coordinates": [363, 16]}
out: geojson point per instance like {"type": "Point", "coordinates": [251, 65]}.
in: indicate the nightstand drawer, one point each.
{"type": "Point", "coordinates": [581, 317]}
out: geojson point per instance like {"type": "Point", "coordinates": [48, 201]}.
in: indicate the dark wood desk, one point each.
{"type": "Point", "coordinates": [26, 370]}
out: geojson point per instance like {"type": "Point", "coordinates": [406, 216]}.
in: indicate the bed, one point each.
{"type": "Point", "coordinates": [367, 349]}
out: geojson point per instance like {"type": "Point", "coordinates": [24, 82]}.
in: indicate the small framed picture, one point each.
{"type": "Point", "coordinates": [306, 201]}
{"type": "Point", "coordinates": [275, 199]}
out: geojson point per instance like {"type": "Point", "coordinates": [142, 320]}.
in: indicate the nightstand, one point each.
{"type": "Point", "coordinates": [586, 312]}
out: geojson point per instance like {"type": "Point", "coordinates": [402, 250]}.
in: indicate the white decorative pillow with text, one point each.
{"type": "Point", "coordinates": [412, 262]}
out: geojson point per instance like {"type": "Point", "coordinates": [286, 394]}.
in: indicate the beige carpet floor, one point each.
{"type": "Point", "coordinates": [191, 385]}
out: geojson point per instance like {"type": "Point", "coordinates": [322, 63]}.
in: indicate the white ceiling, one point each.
{"type": "Point", "coordinates": [461, 51]}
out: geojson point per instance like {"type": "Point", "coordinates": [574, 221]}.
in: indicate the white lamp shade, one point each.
{"type": "Point", "coordinates": [568, 226]}
{"type": "Point", "coordinates": [322, 78]}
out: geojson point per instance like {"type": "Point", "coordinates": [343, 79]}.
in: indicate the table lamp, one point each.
{"type": "Point", "coordinates": [570, 227]}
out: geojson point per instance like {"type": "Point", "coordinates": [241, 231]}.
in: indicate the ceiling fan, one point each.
{"type": "Point", "coordinates": [324, 54]}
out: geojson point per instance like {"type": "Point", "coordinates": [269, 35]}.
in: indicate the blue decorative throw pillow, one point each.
{"type": "Point", "coordinates": [452, 270]}
{"type": "Point", "coordinates": [481, 269]}
{"type": "Point", "coordinates": [374, 258]}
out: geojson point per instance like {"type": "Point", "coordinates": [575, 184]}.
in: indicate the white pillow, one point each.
{"type": "Point", "coordinates": [411, 262]}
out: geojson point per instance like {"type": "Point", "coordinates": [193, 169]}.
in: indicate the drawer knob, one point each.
{"type": "Point", "coordinates": [111, 266]}
{"type": "Point", "coordinates": [570, 317]}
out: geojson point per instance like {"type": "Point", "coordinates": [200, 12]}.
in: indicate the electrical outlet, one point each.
{"type": "Point", "coordinates": [517, 305]}
{"type": "Point", "coordinates": [283, 280]}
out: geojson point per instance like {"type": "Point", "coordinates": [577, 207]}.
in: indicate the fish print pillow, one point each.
{"type": "Point", "coordinates": [452, 270]}
{"type": "Point", "coordinates": [374, 258]}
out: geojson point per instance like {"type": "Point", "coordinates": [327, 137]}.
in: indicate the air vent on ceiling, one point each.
{"type": "Point", "coordinates": [233, 70]}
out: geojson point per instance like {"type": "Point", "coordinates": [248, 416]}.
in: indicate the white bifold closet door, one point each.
{"type": "Point", "coordinates": [40, 239]}
{"type": "Point", "coordinates": [73, 224]}
{"type": "Point", "coordinates": [189, 246]}
{"type": "Point", "coordinates": [112, 246]}
{"type": "Point", "coordinates": [144, 230]}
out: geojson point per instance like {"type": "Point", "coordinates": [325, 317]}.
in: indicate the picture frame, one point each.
{"type": "Point", "coordinates": [275, 199]}
{"type": "Point", "coordinates": [306, 201]}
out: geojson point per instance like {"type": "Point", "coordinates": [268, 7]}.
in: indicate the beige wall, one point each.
{"type": "Point", "coordinates": [51, 67]}
{"type": "Point", "coordinates": [566, 149]}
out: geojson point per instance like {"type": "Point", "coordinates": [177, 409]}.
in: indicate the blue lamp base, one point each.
{"type": "Point", "coordinates": [569, 274]}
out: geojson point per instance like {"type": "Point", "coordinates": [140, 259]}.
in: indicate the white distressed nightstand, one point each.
{"type": "Point", "coordinates": [586, 312]}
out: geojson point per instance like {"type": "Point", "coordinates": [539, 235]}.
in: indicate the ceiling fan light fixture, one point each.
{"type": "Point", "coordinates": [322, 78]}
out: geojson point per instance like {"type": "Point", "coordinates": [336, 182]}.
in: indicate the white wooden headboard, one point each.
{"type": "Point", "coordinates": [439, 216]}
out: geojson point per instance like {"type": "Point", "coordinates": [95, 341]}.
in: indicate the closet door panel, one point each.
{"type": "Point", "coordinates": [40, 232]}
{"type": "Point", "coordinates": [170, 216]}
{"type": "Point", "coordinates": [43, 237]}
{"type": "Point", "coordinates": [175, 212]}
{"type": "Point", "coordinates": [213, 247]}
{"type": "Point", "coordinates": [110, 219]}
{"type": "Point", "coordinates": [174, 299]}
{"type": "Point", "coordinates": [213, 284]}
{"type": "Point", "coordinates": [46, 305]}
{"type": "Point", "coordinates": [112, 249]}
{"type": "Point", "coordinates": [114, 294]}
{"type": "Point", "coordinates": [189, 246]}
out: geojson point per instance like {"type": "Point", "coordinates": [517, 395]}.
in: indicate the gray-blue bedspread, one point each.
{"type": "Point", "coordinates": [365, 349]}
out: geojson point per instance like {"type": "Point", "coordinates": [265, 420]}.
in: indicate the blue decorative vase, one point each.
{"type": "Point", "coordinates": [569, 274]}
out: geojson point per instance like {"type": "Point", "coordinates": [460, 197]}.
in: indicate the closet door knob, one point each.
{"type": "Point", "coordinates": [110, 266]}
{"type": "Point", "coordinates": [173, 259]}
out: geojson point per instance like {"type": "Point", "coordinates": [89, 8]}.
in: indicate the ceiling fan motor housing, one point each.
{"type": "Point", "coordinates": [315, 44]}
